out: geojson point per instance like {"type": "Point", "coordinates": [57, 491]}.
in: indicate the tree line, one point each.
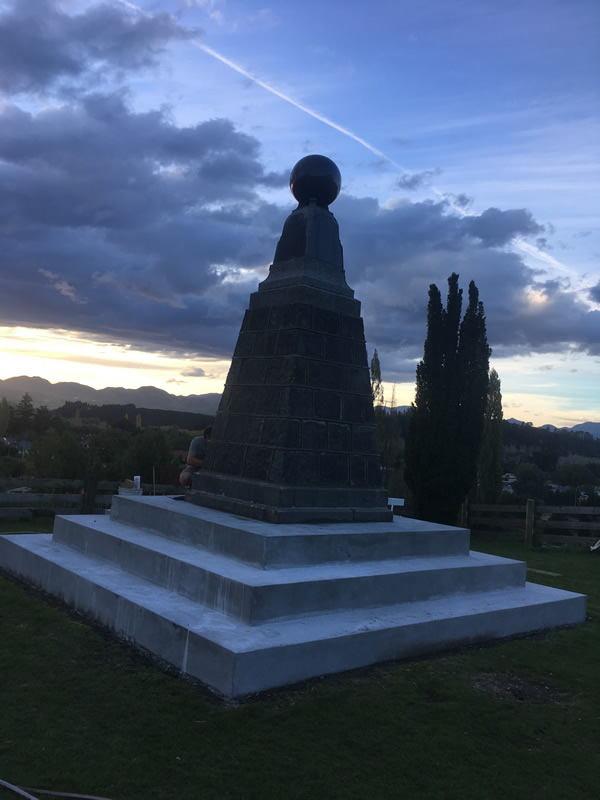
{"type": "Point", "coordinates": [106, 445]}
{"type": "Point", "coordinates": [453, 444]}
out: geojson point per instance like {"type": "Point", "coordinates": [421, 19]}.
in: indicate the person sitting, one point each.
{"type": "Point", "coordinates": [195, 457]}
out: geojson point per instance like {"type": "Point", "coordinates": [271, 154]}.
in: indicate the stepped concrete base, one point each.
{"type": "Point", "coordinates": [246, 606]}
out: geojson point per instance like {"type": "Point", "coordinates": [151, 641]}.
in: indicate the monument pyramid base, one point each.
{"type": "Point", "coordinates": [245, 606]}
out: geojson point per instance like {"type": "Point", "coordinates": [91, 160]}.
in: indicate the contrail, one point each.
{"type": "Point", "coordinates": [517, 242]}
{"type": "Point", "coordinates": [282, 96]}
{"type": "Point", "coordinates": [293, 102]}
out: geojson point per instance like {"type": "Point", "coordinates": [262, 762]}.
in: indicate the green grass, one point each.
{"type": "Point", "coordinates": [83, 713]}
{"type": "Point", "coordinates": [32, 525]}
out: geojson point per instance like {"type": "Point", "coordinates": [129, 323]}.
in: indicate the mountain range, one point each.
{"type": "Point", "coordinates": [54, 395]}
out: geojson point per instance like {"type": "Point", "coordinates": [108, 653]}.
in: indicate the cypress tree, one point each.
{"type": "Point", "coordinates": [444, 436]}
{"type": "Point", "coordinates": [490, 459]}
{"type": "Point", "coordinates": [376, 385]}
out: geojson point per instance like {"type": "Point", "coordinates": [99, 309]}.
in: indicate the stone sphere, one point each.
{"type": "Point", "coordinates": [315, 177]}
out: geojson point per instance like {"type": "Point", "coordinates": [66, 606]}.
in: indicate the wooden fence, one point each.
{"type": "Point", "coordinates": [47, 497]}
{"type": "Point", "coordinates": [578, 526]}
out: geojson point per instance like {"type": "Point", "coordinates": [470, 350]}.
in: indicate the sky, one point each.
{"type": "Point", "coordinates": [145, 153]}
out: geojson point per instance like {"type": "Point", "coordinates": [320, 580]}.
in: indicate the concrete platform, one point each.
{"type": "Point", "coordinates": [246, 606]}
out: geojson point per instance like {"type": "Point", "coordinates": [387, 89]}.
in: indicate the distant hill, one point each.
{"type": "Point", "coordinates": [587, 427]}
{"type": "Point", "coordinates": [54, 395]}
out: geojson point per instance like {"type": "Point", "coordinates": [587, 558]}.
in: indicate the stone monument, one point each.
{"type": "Point", "coordinates": [294, 438]}
{"type": "Point", "coordinates": [287, 564]}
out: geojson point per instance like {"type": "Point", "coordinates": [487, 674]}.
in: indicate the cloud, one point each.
{"type": "Point", "coordinates": [129, 227]}
{"type": "Point", "coordinates": [392, 255]}
{"type": "Point", "coordinates": [496, 228]}
{"type": "Point", "coordinates": [195, 372]}
{"type": "Point", "coordinates": [594, 293]}
{"type": "Point", "coordinates": [137, 217]}
{"type": "Point", "coordinates": [416, 180]}
{"type": "Point", "coordinates": [41, 45]}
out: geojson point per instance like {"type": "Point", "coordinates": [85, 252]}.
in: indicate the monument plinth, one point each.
{"type": "Point", "coordinates": [242, 602]}
{"type": "Point", "coordinates": [294, 439]}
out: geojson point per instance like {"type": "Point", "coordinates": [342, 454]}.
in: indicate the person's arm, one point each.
{"type": "Point", "coordinates": [195, 455]}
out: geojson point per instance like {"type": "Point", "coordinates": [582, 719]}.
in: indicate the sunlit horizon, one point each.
{"type": "Point", "coordinates": [62, 356]}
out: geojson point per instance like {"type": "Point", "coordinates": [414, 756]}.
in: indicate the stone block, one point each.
{"type": "Point", "coordinates": [269, 494]}
{"type": "Point", "coordinates": [268, 400]}
{"type": "Point", "coordinates": [352, 327]}
{"type": "Point", "coordinates": [265, 343]}
{"type": "Point", "coordinates": [314, 434]}
{"type": "Point", "coordinates": [294, 467]}
{"type": "Point", "coordinates": [359, 353]}
{"type": "Point", "coordinates": [327, 404]}
{"type": "Point", "coordinates": [257, 463]}
{"type": "Point", "coordinates": [293, 315]}
{"type": "Point", "coordinates": [358, 470]}
{"type": "Point", "coordinates": [242, 400]}
{"type": "Point", "coordinates": [252, 371]}
{"type": "Point", "coordinates": [287, 342]}
{"type": "Point", "coordinates": [280, 432]}
{"type": "Point", "coordinates": [245, 327]}
{"type": "Point", "coordinates": [354, 407]}
{"type": "Point", "coordinates": [225, 399]}
{"type": "Point", "coordinates": [296, 401]}
{"type": "Point", "coordinates": [326, 321]}
{"type": "Point", "coordinates": [310, 344]}
{"type": "Point", "coordinates": [339, 351]}
{"type": "Point", "coordinates": [229, 459]}
{"type": "Point", "coordinates": [364, 439]}
{"type": "Point", "coordinates": [339, 436]}
{"type": "Point", "coordinates": [333, 468]}
{"type": "Point", "coordinates": [285, 371]}
{"type": "Point", "coordinates": [357, 381]}
{"type": "Point", "coordinates": [245, 345]}
{"type": "Point", "coordinates": [259, 319]}
{"type": "Point", "coordinates": [324, 375]}
{"type": "Point", "coordinates": [374, 477]}
{"type": "Point", "coordinates": [235, 428]}
{"type": "Point", "coordinates": [254, 430]}
{"type": "Point", "coordinates": [234, 371]}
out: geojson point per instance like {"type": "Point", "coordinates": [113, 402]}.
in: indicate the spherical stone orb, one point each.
{"type": "Point", "coordinates": [315, 177]}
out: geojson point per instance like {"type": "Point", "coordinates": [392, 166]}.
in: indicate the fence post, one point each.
{"type": "Point", "coordinates": [463, 516]}
{"type": "Point", "coordinates": [89, 495]}
{"type": "Point", "coordinates": [529, 522]}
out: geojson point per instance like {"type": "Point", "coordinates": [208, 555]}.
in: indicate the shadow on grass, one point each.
{"type": "Point", "coordinates": [82, 712]}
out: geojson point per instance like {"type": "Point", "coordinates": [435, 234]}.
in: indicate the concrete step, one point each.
{"type": "Point", "coordinates": [236, 659]}
{"type": "Point", "coordinates": [272, 546]}
{"type": "Point", "coordinates": [255, 596]}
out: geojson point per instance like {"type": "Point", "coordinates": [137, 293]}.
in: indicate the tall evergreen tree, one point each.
{"type": "Point", "coordinates": [376, 385]}
{"type": "Point", "coordinates": [4, 415]}
{"type": "Point", "coordinates": [444, 436]}
{"type": "Point", "coordinates": [490, 458]}
{"type": "Point", "coordinates": [24, 413]}
{"type": "Point", "coordinates": [377, 390]}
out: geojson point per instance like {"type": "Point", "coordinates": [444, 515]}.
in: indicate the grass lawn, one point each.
{"type": "Point", "coordinates": [83, 713]}
{"type": "Point", "coordinates": [33, 525]}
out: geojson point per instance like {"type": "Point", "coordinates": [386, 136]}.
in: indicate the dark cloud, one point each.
{"type": "Point", "coordinates": [393, 255]}
{"type": "Point", "coordinates": [460, 200]}
{"type": "Point", "coordinates": [195, 372]}
{"type": "Point", "coordinates": [41, 45]}
{"type": "Point", "coordinates": [128, 227]}
{"type": "Point", "coordinates": [124, 225]}
{"type": "Point", "coordinates": [496, 228]}
{"type": "Point", "coordinates": [414, 180]}
{"type": "Point", "coordinates": [594, 293]}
